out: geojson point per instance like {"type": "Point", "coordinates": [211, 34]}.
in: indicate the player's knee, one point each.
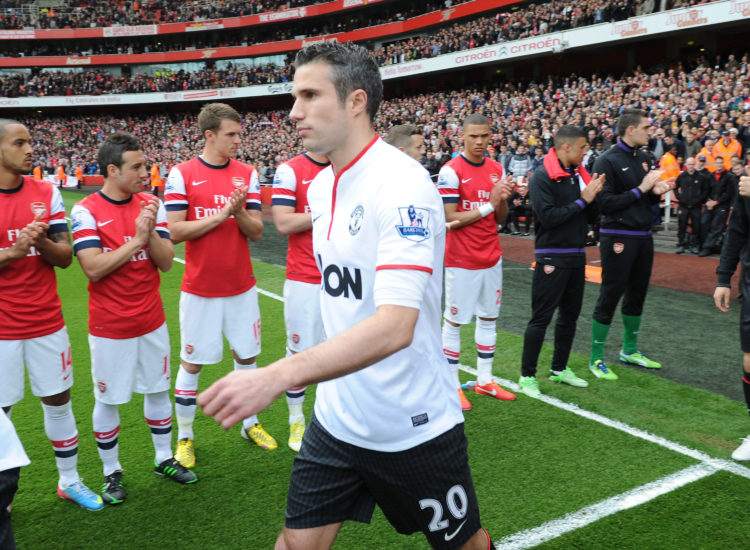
{"type": "Point", "coordinates": [192, 368]}
{"type": "Point", "coordinates": [57, 399]}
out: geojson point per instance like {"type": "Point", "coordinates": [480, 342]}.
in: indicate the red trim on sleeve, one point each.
{"type": "Point", "coordinates": [405, 266]}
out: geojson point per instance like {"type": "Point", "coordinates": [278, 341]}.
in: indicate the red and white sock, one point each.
{"type": "Point", "coordinates": [250, 420]}
{"type": "Point", "coordinates": [158, 413]}
{"type": "Point", "coordinates": [485, 336]}
{"type": "Point", "coordinates": [185, 393]}
{"type": "Point", "coordinates": [106, 420]}
{"type": "Point", "coordinates": [452, 347]}
{"type": "Point", "coordinates": [60, 427]}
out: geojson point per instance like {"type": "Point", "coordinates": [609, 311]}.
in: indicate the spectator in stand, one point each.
{"type": "Point", "coordinates": [504, 156]}
{"type": "Point", "coordinates": [706, 153]}
{"type": "Point", "coordinates": [691, 191]}
{"type": "Point", "coordinates": [519, 206]}
{"type": "Point", "coordinates": [657, 145]}
{"type": "Point", "coordinates": [727, 148]}
{"type": "Point", "coordinates": [716, 209]}
{"type": "Point", "coordinates": [692, 145]}
{"type": "Point", "coordinates": [519, 164]}
{"type": "Point", "coordinates": [538, 159]}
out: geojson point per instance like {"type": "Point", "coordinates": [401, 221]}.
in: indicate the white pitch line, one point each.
{"type": "Point", "coordinates": [270, 295]}
{"type": "Point", "coordinates": [630, 430]}
{"type": "Point", "coordinates": [590, 514]}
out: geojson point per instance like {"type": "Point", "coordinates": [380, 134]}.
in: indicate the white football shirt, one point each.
{"type": "Point", "coordinates": [379, 239]}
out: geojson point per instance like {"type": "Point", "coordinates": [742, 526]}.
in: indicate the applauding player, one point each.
{"type": "Point", "coordinates": [121, 239]}
{"type": "Point", "coordinates": [475, 198]}
{"type": "Point", "coordinates": [213, 203]}
{"type": "Point", "coordinates": [33, 241]}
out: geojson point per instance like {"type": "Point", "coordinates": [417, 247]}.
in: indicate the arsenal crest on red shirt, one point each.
{"type": "Point", "coordinates": [39, 209]}
{"type": "Point", "coordinates": [238, 181]}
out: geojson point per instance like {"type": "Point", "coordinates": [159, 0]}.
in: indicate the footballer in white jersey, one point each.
{"type": "Point", "coordinates": [387, 427]}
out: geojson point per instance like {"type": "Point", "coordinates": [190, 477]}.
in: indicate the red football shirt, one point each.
{"type": "Point", "coordinates": [217, 263]}
{"type": "Point", "coordinates": [474, 246]}
{"type": "Point", "coordinates": [290, 185]}
{"type": "Point", "coordinates": [29, 304]}
{"type": "Point", "coordinates": [126, 303]}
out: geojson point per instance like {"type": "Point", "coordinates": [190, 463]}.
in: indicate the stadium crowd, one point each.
{"type": "Point", "coordinates": [529, 21]}
{"type": "Point", "coordinates": [334, 23]}
{"type": "Point", "coordinates": [684, 105]}
{"type": "Point", "coordinates": [15, 14]}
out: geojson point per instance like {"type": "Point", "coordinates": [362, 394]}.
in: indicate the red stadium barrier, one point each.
{"type": "Point", "coordinates": [93, 180]}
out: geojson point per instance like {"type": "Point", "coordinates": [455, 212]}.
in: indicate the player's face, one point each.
{"type": "Point", "coordinates": [320, 117]}
{"type": "Point", "coordinates": [639, 134]}
{"type": "Point", "coordinates": [476, 140]}
{"type": "Point", "coordinates": [15, 149]}
{"type": "Point", "coordinates": [132, 174]}
{"type": "Point", "coordinates": [226, 140]}
{"type": "Point", "coordinates": [417, 149]}
{"type": "Point", "coordinates": [577, 150]}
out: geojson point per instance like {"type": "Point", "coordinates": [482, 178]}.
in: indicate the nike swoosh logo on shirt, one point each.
{"type": "Point", "coordinates": [449, 536]}
{"type": "Point", "coordinates": [305, 182]}
{"type": "Point", "coordinates": [625, 169]}
{"type": "Point", "coordinates": [317, 218]}
{"type": "Point", "coordinates": [197, 183]}
{"type": "Point", "coordinates": [102, 224]}
{"type": "Point", "coordinates": [466, 180]}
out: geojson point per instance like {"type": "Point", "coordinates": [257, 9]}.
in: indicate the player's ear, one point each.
{"type": "Point", "coordinates": [358, 102]}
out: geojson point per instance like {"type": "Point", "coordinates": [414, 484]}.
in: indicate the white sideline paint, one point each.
{"type": "Point", "coordinates": [640, 495]}
{"type": "Point", "coordinates": [585, 516]}
{"type": "Point", "coordinates": [621, 426]}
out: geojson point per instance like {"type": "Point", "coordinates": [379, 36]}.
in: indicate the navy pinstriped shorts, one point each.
{"type": "Point", "coordinates": [426, 488]}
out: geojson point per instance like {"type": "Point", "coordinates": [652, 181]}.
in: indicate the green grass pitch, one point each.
{"type": "Point", "coordinates": [532, 462]}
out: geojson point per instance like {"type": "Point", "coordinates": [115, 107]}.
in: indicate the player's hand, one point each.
{"type": "Point", "coordinates": [238, 198]}
{"type": "Point", "coordinates": [593, 188]}
{"type": "Point", "coordinates": [451, 225]}
{"type": "Point", "coordinates": [501, 191]}
{"type": "Point", "coordinates": [237, 395]}
{"type": "Point", "coordinates": [34, 233]}
{"type": "Point", "coordinates": [744, 186]}
{"type": "Point", "coordinates": [721, 298]}
{"type": "Point", "coordinates": [662, 186]}
{"type": "Point", "coordinates": [651, 178]}
{"type": "Point", "coordinates": [146, 221]}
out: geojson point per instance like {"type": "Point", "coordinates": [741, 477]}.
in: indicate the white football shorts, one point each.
{"type": "Point", "coordinates": [304, 324]}
{"type": "Point", "coordinates": [120, 367]}
{"type": "Point", "coordinates": [470, 292]}
{"type": "Point", "coordinates": [48, 360]}
{"type": "Point", "coordinates": [203, 321]}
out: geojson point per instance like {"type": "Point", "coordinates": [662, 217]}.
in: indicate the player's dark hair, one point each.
{"type": "Point", "coordinates": [212, 114]}
{"type": "Point", "coordinates": [113, 148]}
{"type": "Point", "coordinates": [568, 134]}
{"type": "Point", "coordinates": [475, 119]}
{"type": "Point", "coordinates": [400, 136]}
{"type": "Point", "coordinates": [352, 68]}
{"type": "Point", "coordinates": [629, 117]}
{"type": "Point", "coordinates": [6, 122]}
